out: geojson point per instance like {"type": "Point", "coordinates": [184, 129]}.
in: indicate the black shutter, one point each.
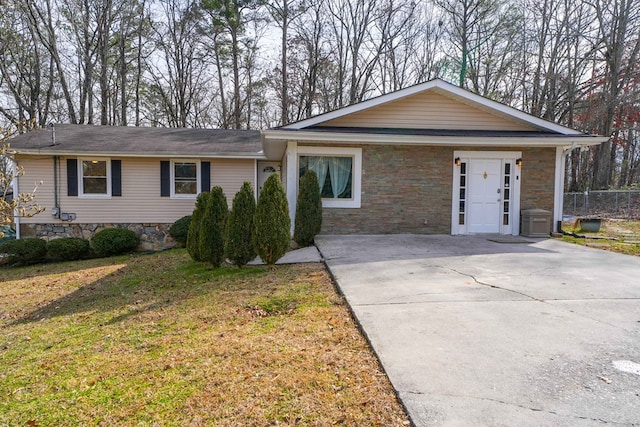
{"type": "Point", "coordinates": [165, 178]}
{"type": "Point", "coordinates": [205, 176]}
{"type": "Point", "coordinates": [72, 177]}
{"type": "Point", "coordinates": [116, 177]}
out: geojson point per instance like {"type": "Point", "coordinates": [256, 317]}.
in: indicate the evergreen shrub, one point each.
{"type": "Point", "coordinates": [213, 228]}
{"type": "Point", "coordinates": [193, 235]}
{"type": "Point", "coordinates": [68, 248]}
{"type": "Point", "coordinates": [23, 251]}
{"type": "Point", "coordinates": [239, 240]}
{"type": "Point", "coordinates": [179, 230]}
{"type": "Point", "coordinates": [114, 241]}
{"type": "Point", "coordinates": [308, 219]}
{"type": "Point", "coordinates": [272, 226]}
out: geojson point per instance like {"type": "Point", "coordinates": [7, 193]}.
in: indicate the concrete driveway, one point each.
{"type": "Point", "coordinates": [476, 332]}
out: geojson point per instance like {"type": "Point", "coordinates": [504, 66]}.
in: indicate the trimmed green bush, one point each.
{"type": "Point", "coordinates": [68, 248]}
{"type": "Point", "coordinates": [114, 241]}
{"type": "Point", "coordinates": [179, 230]}
{"type": "Point", "coordinates": [193, 235]}
{"type": "Point", "coordinates": [238, 242]}
{"type": "Point", "coordinates": [272, 226]}
{"type": "Point", "coordinates": [308, 210]}
{"type": "Point", "coordinates": [213, 228]}
{"type": "Point", "coordinates": [23, 251]}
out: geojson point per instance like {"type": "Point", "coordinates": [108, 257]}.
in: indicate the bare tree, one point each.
{"type": "Point", "coordinates": [619, 24]}
{"type": "Point", "coordinates": [179, 85]}
{"type": "Point", "coordinates": [26, 71]}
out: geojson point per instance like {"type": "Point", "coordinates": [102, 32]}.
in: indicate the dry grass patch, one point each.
{"type": "Point", "coordinates": [161, 340]}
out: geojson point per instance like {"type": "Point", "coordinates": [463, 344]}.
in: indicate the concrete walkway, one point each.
{"type": "Point", "coordinates": [296, 256]}
{"type": "Point", "coordinates": [475, 332]}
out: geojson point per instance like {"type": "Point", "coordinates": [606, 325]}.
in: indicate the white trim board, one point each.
{"type": "Point", "coordinates": [514, 212]}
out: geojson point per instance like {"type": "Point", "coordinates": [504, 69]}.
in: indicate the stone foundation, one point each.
{"type": "Point", "coordinates": [153, 237]}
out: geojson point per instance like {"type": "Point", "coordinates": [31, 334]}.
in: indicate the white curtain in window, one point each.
{"type": "Point", "coordinates": [319, 166]}
{"type": "Point", "coordinates": [340, 169]}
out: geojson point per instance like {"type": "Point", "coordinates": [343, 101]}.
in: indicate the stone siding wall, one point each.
{"type": "Point", "coordinates": [152, 237]}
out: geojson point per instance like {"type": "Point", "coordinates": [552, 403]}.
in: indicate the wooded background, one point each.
{"type": "Point", "coordinates": [258, 64]}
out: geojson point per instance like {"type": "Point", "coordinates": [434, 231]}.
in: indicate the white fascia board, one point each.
{"type": "Point", "coordinates": [504, 109]}
{"type": "Point", "coordinates": [472, 141]}
{"type": "Point", "coordinates": [443, 88]}
{"type": "Point", "coordinates": [69, 153]}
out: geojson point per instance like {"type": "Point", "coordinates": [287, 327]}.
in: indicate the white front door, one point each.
{"type": "Point", "coordinates": [484, 197]}
{"type": "Point", "coordinates": [264, 170]}
{"type": "Point", "coordinates": [486, 192]}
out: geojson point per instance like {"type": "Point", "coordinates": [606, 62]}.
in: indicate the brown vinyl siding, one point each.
{"type": "Point", "coordinates": [428, 110]}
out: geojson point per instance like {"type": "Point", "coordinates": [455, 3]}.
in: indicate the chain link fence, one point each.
{"type": "Point", "coordinates": [606, 204]}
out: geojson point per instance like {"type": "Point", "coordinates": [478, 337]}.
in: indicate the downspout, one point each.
{"type": "Point", "coordinates": [16, 192]}
{"type": "Point", "coordinates": [55, 212]}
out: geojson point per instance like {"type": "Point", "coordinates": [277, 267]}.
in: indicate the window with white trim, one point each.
{"type": "Point", "coordinates": [95, 177]}
{"type": "Point", "coordinates": [335, 175]}
{"type": "Point", "coordinates": [185, 178]}
{"type": "Point", "coordinates": [339, 172]}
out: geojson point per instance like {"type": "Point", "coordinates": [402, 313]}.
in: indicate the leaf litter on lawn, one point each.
{"type": "Point", "coordinates": [160, 339]}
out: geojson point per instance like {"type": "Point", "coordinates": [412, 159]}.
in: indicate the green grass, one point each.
{"type": "Point", "coordinates": [621, 236]}
{"type": "Point", "coordinates": [161, 340]}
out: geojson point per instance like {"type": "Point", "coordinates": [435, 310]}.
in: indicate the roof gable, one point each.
{"type": "Point", "coordinates": [432, 105]}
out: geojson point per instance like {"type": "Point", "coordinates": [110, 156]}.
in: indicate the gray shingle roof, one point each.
{"type": "Point", "coordinates": [143, 141]}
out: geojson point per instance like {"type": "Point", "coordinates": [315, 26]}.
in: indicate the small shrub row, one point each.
{"type": "Point", "coordinates": [107, 242]}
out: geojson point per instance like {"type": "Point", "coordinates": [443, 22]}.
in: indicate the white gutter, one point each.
{"type": "Point", "coordinates": [332, 138]}
{"type": "Point", "coordinates": [76, 153]}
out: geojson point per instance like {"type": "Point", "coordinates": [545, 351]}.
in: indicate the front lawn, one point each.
{"type": "Point", "coordinates": [161, 340]}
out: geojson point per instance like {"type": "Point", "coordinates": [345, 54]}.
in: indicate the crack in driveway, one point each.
{"type": "Point", "coordinates": [494, 286]}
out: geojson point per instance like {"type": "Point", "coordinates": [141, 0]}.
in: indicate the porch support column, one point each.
{"type": "Point", "coordinates": [292, 180]}
{"type": "Point", "coordinates": [558, 202]}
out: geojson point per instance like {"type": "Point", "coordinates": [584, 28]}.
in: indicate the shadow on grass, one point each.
{"type": "Point", "coordinates": [130, 285]}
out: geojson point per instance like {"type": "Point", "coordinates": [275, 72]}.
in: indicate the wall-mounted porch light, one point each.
{"type": "Point", "coordinates": [457, 161]}
{"type": "Point", "coordinates": [519, 162]}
